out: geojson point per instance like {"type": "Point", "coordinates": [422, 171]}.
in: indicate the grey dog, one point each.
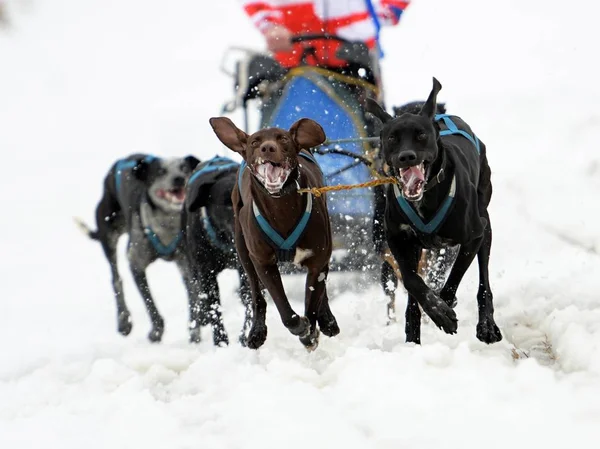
{"type": "Point", "coordinates": [143, 197]}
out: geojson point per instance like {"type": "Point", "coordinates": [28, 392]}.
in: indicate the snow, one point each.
{"type": "Point", "coordinates": [84, 83]}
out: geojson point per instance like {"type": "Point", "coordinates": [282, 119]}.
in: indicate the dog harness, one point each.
{"type": "Point", "coordinates": [453, 129]}
{"type": "Point", "coordinates": [127, 164]}
{"type": "Point", "coordinates": [433, 225]}
{"type": "Point", "coordinates": [285, 249]}
{"type": "Point", "coordinates": [159, 247]}
{"type": "Point", "coordinates": [216, 164]}
{"type": "Point", "coordinates": [162, 249]}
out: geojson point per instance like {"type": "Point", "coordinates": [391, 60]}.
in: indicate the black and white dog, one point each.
{"type": "Point", "coordinates": [209, 235]}
{"type": "Point", "coordinates": [144, 197]}
{"type": "Point", "coordinates": [441, 199]}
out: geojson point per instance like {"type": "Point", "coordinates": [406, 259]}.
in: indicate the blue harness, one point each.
{"type": "Point", "coordinates": [440, 215]}
{"type": "Point", "coordinates": [285, 249]}
{"type": "Point", "coordinates": [218, 164]}
{"type": "Point", "coordinates": [159, 247]}
{"type": "Point", "coordinates": [125, 164]}
{"type": "Point", "coordinates": [453, 129]}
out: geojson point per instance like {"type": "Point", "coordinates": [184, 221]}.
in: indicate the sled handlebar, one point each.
{"type": "Point", "coordinates": [318, 36]}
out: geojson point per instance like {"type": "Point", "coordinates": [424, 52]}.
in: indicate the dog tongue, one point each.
{"type": "Point", "coordinates": [273, 174]}
{"type": "Point", "coordinates": [411, 175]}
{"type": "Point", "coordinates": [179, 194]}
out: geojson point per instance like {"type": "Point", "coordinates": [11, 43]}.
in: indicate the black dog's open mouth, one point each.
{"type": "Point", "coordinates": [175, 195]}
{"type": "Point", "coordinates": [272, 175]}
{"type": "Point", "coordinates": [412, 181]}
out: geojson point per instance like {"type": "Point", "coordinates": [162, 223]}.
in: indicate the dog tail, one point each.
{"type": "Point", "coordinates": [85, 229]}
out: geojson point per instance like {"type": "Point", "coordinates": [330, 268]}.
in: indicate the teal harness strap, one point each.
{"type": "Point", "coordinates": [285, 248]}
{"type": "Point", "coordinates": [438, 218]}
{"type": "Point", "coordinates": [160, 248]}
{"type": "Point", "coordinates": [126, 164]}
{"type": "Point", "coordinates": [453, 129]}
{"type": "Point", "coordinates": [217, 163]}
{"type": "Point", "coordinates": [440, 215]}
{"type": "Point", "coordinates": [214, 238]}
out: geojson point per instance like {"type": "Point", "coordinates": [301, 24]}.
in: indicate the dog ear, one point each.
{"type": "Point", "coordinates": [375, 109]}
{"type": "Point", "coordinates": [191, 162]}
{"type": "Point", "coordinates": [441, 108]}
{"type": "Point", "coordinates": [233, 138]}
{"type": "Point", "coordinates": [307, 134]}
{"type": "Point", "coordinates": [430, 106]}
{"type": "Point", "coordinates": [143, 167]}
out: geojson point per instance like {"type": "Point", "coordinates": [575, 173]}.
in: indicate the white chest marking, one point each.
{"type": "Point", "coordinates": [301, 255]}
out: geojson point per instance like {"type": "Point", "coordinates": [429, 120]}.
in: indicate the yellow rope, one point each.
{"type": "Point", "coordinates": [330, 74]}
{"type": "Point", "coordinates": [318, 191]}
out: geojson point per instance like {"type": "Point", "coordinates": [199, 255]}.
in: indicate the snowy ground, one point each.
{"type": "Point", "coordinates": [85, 82]}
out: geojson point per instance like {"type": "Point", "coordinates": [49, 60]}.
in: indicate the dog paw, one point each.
{"type": "Point", "coordinates": [311, 341]}
{"type": "Point", "coordinates": [299, 326]}
{"type": "Point", "coordinates": [124, 324]}
{"type": "Point", "coordinates": [195, 335]}
{"type": "Point", "coordinates": [440, 313]}
{"type": "Point", "coordinates": [220, 337]}
{"type": "Point", "coordinates": [488, 332]}
{"type": "Point", "coordinates": [449, 298]}
{"type": "Point", "coordinates": [329, 326]}
{"type": "Point", "coordinates": [156, 333]}
{"type": "Point", "coordinates": [256, 337]}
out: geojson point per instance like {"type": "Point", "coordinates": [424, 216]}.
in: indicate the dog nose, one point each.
{"type": "Point", "coordinates": [406, 157]}
{"type": "Point", "coordinates": [178, 181]}
{"type": "Point", "coordinates": [268, 147]}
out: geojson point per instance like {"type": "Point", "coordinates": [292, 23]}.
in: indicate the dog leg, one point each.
{"type": "Point", "coordinates": [194, 310]}
{"type": "Point", "coordinates": [327, 322]}
{"type": "Point", "coordinates": [487, 330]}
{"type": "Point", "coordinates": [461, 265]}
{"type": "Point", "coordinates": [271, 279]}
{"type": "Point", "coordinates": [109, 245]}
{"type": "Point", "coordinates": [190, 279]}
{"type": "Point", "coordinates": [111, 225]}
{"type": "Point", "coordinates": [389, 282]}
{"type": "Point", "coordinates": [209, 293]}
{"type": "Point", "coordinates": [314, 291]}
{"type": "Point", "coordinates": [158, 323]}
{"type": "Point", "coordinates": [246, 298]}
{"type": "Point", "coordinates": [407, 254]}
{"type": "Point", "coordinates": [258, 331]}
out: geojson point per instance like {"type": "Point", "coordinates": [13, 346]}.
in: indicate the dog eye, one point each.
{"type": "Point", "coordinates": [284, 139]}
{"type": "Point", "coordinates": [392, 138]}
{"type": "Point", "coordinates": [162, 171]}
{"type": "Point", "coordinates": [421, 137]}
{"type": "Point", "coordinates": [254, 143]}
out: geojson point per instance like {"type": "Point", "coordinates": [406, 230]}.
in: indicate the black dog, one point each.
{"type": "Point", "coordinates": [143, 197]}
{"type": "Point", "coordinates": [441, 200]}
{"type": "Point", "coordinates": [433, 264]}
{"type": "Point", "coordinates": [209, 236]}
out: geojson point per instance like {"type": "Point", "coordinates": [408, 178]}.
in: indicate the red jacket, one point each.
{"type": "Point", "coordinates": [349, 19]}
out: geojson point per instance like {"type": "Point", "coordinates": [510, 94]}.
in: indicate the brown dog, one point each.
{"type": "Point", "coordinates": [267, 206]}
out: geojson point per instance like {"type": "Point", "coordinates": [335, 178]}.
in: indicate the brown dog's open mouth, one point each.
{"type": "Point", "coordinates": [412, 180]}
{"type": "Point", "coordinates": [176, 195]}
{"type": "Point", "coordinates": [272, 175]}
